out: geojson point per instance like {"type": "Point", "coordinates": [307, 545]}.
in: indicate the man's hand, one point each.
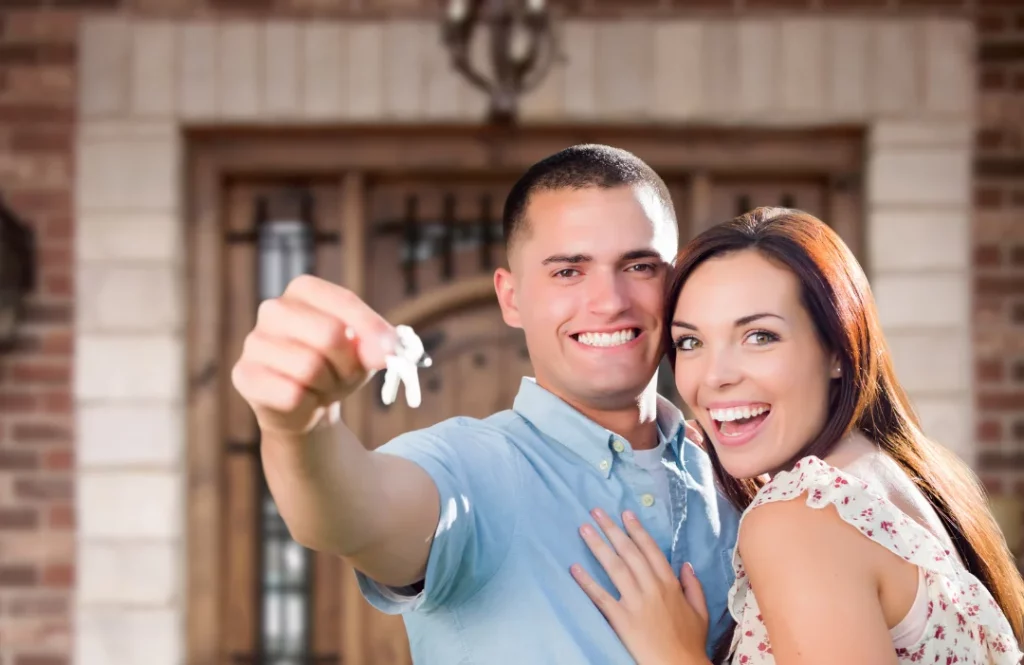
{"type": "Point", "coordinates": [311, 347]}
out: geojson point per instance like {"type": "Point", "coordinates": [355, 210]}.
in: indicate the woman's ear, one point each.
{"type": "Point", "coordinates": [835, 367]}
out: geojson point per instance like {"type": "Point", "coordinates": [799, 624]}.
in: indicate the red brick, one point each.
{"type": "Point", "coordinates": [18, 518]}
{"type": "Point", "coordinates": [990, 431]}
{"type": "Point", "coordinates": [18, 460]}
{"type": "Point", "coordinates": [58, 227]}
{"type": "Point", "coordinates": [991, 23]}
{"type": "Point", "coordinates": [993, 485]}
{"type": "Point", "coordinates": [988, 197]}
{"type": "Point", "coordinates": [59, 575]}
{"type": "Point", "coordinates": [42, 488]}
{"type": "Point", "coordinates": [989, 369]}
{"type": "Point", "coordinates": [987, 255]}
{"type": "Point", "coordinates": [17, 402]}
{"type": "Point", "coordinates": [1018, 430]}
{"type": "Point", "coordinates": [59, 460]}
{"type": "Point", "coordinates": [42, 138]}
{"type": "Point", "coordinates": [54, 257]}
{"type": "Point", "coordinates": [992, 78]}
{"type": "Point", "coordinates": [61, 516]}
{"type": "Point", "coordinates": [40, 659]}
{"type": "Point", "coordinates": [37, 373]}
{"type": "Point", "coordinates": [16, 576]}
{"type": "Point", "coordinates": [11, 112]}
{"type": "Point", "coordinates": [1008, 285]}
{"type": "Point", "coordinates": [1001, 401]}
{"type": "Point", "coordinates": [37, 604]}
{"type": "Point", "coordinates": [59, 342]}
{"type": "Point", "coordinates": [58, 284]}
{"type": "Point", "coordinates": [40, 27]}
{"type": "Point", "coordinates": [57, 403]}
{"type": "Point", "coordinates": [990, 138]}
{"type": "Point", "coordinates": [41, 433]}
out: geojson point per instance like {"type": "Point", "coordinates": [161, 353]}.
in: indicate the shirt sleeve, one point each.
{"type": "Point", "coordinates": [477, 474]}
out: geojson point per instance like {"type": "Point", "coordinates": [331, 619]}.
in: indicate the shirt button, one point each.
{"type": "Point", "coordinates": [647, 500]}
{"type": "Point", "coordinates": [618, 446]}
{"type": "Point", "coordinates": [604, 465]}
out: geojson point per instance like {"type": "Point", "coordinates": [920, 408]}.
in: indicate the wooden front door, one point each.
{"type": "Point", "coordinates": [419, 240]}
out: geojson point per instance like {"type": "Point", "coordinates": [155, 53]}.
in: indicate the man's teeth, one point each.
{"type": "Point", "coordinates": [606, 339]}
{"type": "Point", "coordinates": [737, 413]}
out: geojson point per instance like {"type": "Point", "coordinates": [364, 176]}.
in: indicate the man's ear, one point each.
{"type": "Point", "coordinates": [505, 288]}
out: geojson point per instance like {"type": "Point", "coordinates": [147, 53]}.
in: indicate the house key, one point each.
{"type": "Point", "coordinates": [402, 367]}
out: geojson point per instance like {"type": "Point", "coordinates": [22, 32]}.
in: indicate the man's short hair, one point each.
{"type": "Point", "coordinates": [579, 167]}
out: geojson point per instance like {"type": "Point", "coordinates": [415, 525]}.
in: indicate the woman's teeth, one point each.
{"type": "Point", "coordinates": [606, 339]}
{"type": "Point", "coordinates": [738, 412]}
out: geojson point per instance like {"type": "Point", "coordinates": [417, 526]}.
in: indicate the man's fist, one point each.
{"type": "Point", "coordinates": [311, 347]}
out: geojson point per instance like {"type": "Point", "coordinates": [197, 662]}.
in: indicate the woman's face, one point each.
{"type": "Point", "coordinates": [749, 363]}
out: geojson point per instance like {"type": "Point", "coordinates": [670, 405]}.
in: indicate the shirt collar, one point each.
{"type": "Point", "coordinates": [555, 419]}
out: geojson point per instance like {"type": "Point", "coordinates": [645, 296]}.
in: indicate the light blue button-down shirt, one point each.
{"type": "Point", "coordinates": [515, 488]}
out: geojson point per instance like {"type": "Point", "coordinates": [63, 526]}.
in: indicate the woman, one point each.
{"type": "Point", "coordinates": [779, 354]}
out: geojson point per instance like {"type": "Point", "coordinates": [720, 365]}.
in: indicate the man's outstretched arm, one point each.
{"type": "Point", "coordinates": [310, 348]}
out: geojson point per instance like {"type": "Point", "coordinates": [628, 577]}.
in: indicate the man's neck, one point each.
{"type": "Point", "coordinates": [636, 422]}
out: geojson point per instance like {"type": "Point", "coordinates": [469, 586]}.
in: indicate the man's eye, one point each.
{"type": "Point", "coordinates": [567, 272]}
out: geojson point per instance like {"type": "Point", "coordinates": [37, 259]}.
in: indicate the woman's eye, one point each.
{"type": "Point", "coordinates": [762, 337]}
{"type": "Point", "coordinates": [688, 343]}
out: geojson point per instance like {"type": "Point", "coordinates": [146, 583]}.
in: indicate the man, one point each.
{"type": "Point", "coordinates": [468, 528]}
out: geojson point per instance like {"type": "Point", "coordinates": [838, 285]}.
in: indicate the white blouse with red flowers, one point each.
{"type": "Point", "coordinates": [963, 624]}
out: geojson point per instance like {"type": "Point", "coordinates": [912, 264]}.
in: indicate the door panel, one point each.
{"type": "Point", "coordinates": [422, 235]}
{"type": "Point", "coordinates": [280, 602]}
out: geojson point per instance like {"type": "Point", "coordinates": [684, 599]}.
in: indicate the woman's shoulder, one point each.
{"type": "Point", "coordinates": [831, 501]}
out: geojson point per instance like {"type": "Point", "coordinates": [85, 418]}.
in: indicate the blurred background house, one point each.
{"type": "Point", "coordinates": [178, 160]}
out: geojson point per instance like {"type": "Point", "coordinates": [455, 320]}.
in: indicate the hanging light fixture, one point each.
{"type": "Point", "coordinates": [523, 48]}
{"type": "Point", "coordinates": [17, 271]}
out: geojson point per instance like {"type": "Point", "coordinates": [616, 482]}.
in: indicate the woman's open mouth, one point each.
{"type": "Point", "coordinates": [735, 425]}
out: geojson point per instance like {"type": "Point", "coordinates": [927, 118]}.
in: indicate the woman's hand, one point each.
{"type": "Point", "coordinates": [657, 622]}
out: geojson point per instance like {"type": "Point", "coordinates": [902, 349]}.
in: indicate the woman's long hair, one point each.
{"type": "Point", "coordinates": [866, 397]}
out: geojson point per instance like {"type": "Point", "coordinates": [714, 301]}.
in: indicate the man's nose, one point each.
{"type": "Point", "coordinates": [608, 294]}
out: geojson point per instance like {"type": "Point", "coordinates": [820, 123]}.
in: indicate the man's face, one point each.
{"type": "Point", "coordinates": [586, 286]}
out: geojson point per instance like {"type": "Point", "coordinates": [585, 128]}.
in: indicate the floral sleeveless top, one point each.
{"type": "Point", "coordinates": [964, 624]}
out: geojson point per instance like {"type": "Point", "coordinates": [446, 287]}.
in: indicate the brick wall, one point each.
{"type": "Point", "coordinates": [37, 98]}
{"type": "Point", "coordinates": [999, 247]}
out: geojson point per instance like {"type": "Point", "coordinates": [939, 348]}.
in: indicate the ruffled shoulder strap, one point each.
{"type": "Point", "coordinates": [858, 505]}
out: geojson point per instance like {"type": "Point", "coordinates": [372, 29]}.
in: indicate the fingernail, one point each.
{"type": "Point", "coordinates": [629, 516]}
{"type": "Point", "coordinates": [576, 569]}
{"type": "Point", "coordinates": [585, 530]}
{"type": "Point", "coordinates": [387, 343]}
{"type": "Point", "coordinates": [598, 514]}
{"type": "Point", "coordinates": [350, 333]}
{"type": "Point", "coordinates": [690, 568]}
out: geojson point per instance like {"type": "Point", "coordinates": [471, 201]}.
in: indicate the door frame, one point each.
{"type": "Point", "coordinates": [214, 155]}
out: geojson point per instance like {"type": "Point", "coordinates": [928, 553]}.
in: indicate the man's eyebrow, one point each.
{"type": "Point", "coordinates": [742, 321]}
{"type": "Point", "coordinates": [567, 258]}
{"type": "Point", "coordinates": [641, 254]}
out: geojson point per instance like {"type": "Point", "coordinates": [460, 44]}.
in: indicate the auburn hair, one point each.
{"type": "Point", "coordinates": [866, 397]}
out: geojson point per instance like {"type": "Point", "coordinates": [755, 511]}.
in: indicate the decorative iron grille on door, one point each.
{"type": "Point", "coordinates": [284, 236]}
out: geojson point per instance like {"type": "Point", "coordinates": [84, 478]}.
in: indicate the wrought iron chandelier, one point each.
{"type": "Point", "coordinates": [17, 272]}
{"type": "Point", "coordinates": [522, 48]}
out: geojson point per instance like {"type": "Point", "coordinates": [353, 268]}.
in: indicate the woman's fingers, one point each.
{"type": "Point", "coordinates": [693, 591]}
{"type": "Point", "coordinates": [618, 571]}
{"type": "Point", "coordinates": [601, 598]}
{"type": "Point", "coordinates": [626, 549]}
{"type": "Point", "coordinates": [649, 548]}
